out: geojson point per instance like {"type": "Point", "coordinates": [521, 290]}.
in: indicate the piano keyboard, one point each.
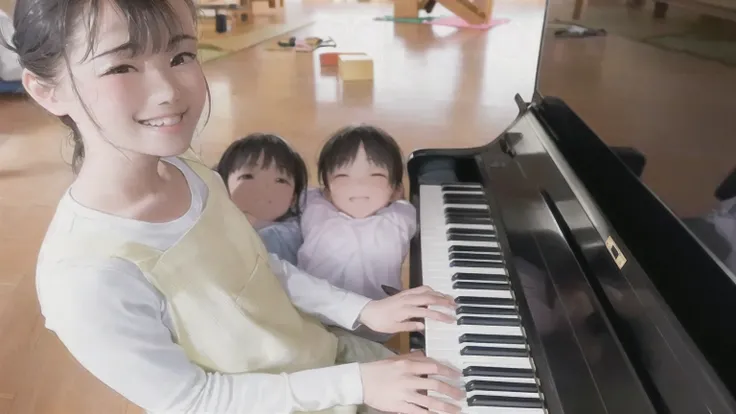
{"type": "Point", "coordinates": [461, 257]}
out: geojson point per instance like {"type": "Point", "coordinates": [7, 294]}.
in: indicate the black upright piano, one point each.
{"type": "Point", "coordinates": [578, 290]}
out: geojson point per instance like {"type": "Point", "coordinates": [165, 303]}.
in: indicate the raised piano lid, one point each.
{"type": "Point", "coordinates": [666, 299]}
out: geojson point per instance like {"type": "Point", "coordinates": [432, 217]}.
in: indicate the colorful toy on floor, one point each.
{"type": "Point", "coordinates": [355, 67]}
{"type": "Point", "coordinates": [474, 12]}
{"type": "Point", "coordinates": [308, 44]}
{"type": "Point", "coordinates": [331, 58]}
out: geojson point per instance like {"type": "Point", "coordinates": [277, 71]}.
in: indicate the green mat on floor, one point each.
{"type": "Point", "coordinates": [406, 19]}
{"type": "Point", "coordinates": [719, 49]}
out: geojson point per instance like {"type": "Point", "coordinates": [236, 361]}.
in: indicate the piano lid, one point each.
{"type": "Point", "coordinates": [685, 296]}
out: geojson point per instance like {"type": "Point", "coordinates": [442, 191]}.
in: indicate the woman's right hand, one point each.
{"type": "Point", "coordinates": [395, 385]}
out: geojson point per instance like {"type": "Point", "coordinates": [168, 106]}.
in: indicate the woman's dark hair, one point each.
{"type": "Point", "coordinates": [248, 151]}
{"type": "Point", "coordinates": [380, 148]}
{"type": "Point", "coordinates": [44, 28]}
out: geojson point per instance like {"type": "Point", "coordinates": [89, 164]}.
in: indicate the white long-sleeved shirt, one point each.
{"type": "Point", "coordinates": [116, 324]}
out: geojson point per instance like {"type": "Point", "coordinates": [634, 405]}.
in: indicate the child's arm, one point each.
{"type": "Point", "coordinates": [109, 318]}
{"type": "Point", "coordinates": [349, 310]}
{"type": "Point", "coordinates": [317, 296]}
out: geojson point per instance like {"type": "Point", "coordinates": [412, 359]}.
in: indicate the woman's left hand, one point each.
{"type": "Point", "coordinates": [394, 314]}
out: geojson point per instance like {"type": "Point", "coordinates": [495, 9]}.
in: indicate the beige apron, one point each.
{"type": "Point", "coordinates": [230, 312]}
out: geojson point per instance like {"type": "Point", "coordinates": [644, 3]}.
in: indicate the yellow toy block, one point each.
{"type": "Point", "coordinates": [355, 67]}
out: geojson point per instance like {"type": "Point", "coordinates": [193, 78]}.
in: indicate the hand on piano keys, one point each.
{"type": "Point", "coordinates": [396, 385]}
{"type": "Point", "coordinates": [399, 313]}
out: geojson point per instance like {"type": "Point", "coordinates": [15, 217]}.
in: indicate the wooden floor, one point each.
{"type": "Point", "coordinates": [434, 87]}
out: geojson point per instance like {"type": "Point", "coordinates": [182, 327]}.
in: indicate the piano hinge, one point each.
{"type": "Point", "coordinates": [520, 103]}
{"type": "Point", "coordinates": [616, 253]}
{"type": "Point", "coordinates": [508, 141]}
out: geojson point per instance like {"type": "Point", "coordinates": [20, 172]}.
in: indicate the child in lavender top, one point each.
{"type": "Point", "coordinates": [357, 228]}
{"type": "Point", "coordinates": [266, 179]}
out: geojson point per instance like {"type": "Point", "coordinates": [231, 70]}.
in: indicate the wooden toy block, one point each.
{"type": "Point", "coordinates": [469, 11]}
{"type": "Point", "coordinates": [406, 9]}
{"type": "Point", "coordinates": [355, 67]}
{"type": "Point", "coordinates": [330, 58]}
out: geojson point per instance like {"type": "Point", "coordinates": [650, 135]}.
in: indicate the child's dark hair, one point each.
{"type": "Point", "coordinates": [380, 148]}
{"type": "Point", "coordinates": [44, 28]}
{"type": "Point", "coordinates": [247, 151]}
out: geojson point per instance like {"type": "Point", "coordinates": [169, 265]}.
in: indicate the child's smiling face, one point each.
{"type": "Point", "coordinates": [360, 188]}
{"type": "Point", "coordinates": [263, 193]}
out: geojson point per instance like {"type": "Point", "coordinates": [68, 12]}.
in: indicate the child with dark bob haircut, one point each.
{"type": "Point", "coordinates": [149, 274]}
{"type": "Point", "coordinates": [266, 179]}
{"type": "Point", "coordinates": [357, 227]}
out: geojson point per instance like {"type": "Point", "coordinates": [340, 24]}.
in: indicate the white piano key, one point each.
{"type": "Point", "coordinates": [442, 339]}
{"type": "Point", "coordinates": [465, 409]}
{"type": "Point", "coordinates": [453, 344]}
{"type": "Point", "coordinates": [489, 227]}
{"type": "Point", "coordinates": [464, 380]}
{"type": "Point", "coordinates": [436, 330]}
{"type": "Point", "coordinates": [489, 244]}
{"type": "Point", "coordinates": [478, 270]}
{"type": "Point", "coordinates": [503, 294]}
{"type": "Point", "coordinates": [534, 395]}
{"type": "Point", "coordinates": [468, 206]}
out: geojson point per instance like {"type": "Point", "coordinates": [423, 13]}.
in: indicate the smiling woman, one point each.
{"type": "Point", "coordinates": [149, 274]}
{"type": "Point", "coordinates": [130, 28]}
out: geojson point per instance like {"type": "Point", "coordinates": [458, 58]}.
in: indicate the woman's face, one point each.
{"type": "Point", "coordinates": [263, 193]}
{"type": "Point", "coordinates": [147, 104]}
{"type": "Point", "coordinates": [360, 188]}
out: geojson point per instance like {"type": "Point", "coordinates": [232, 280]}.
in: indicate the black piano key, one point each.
{"type": "Point", "coordinates": [471, 237]}
{"type": "Point", "coordinates": [480, 286]}
{"type": "Point", "coordinates": [471, 214]}
{"type": "Point", "coordinates": [476, 265]}
{"type": "Point", "coordinates": [499, 386]}
{"type": "Point", "coordinates": [480, 232]}
{"type": "Point", "coordinates": [494, 351]}
{"type": "Point", "coordinates": [480, 321]}
{"type": "Point", "coordinates": [460, 219]}
{"type": "Point", "coordinates": [484, 310]}
{"type": "Point", "coordinates": [474, 249]}
{"type": "Point", "coordinates": [502, 401]}
{"type": "Point", "coordinates": [460, 188]}
{"type": "Point", "coordinates": [476, 256]}
{"type": "Point", "coordinates": [464, 199]}
{"type": "Point", "coordinates": [473, 300]}
{"type": "Point", "coordinates": [492, 339]}
{"type": "Point", "coordinates": [501, 372]}
{"type": "Point", "coordinates": [464, 195]}
{"type": "Point", "coordinates": [474, 277]}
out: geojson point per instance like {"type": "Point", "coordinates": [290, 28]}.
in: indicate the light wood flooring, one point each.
{"type": "Point", "coordinates": [434, 87]}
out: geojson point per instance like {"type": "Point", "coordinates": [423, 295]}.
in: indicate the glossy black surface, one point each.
{"type": "Point", "coordinates": [651, 337]}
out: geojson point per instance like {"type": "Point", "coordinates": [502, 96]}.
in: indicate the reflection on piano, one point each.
{"type": "Point", "coordinates": [578, 291]}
